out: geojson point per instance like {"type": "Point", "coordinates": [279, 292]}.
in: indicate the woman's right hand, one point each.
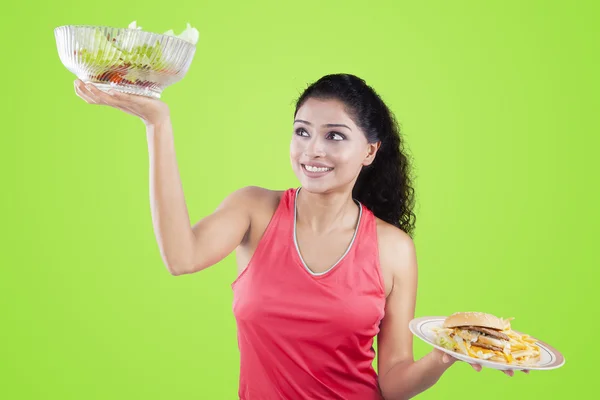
{"type": "Point", "coordinates": [151, 111]}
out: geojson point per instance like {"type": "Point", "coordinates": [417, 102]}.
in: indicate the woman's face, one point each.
{"type": "Point", "coordinates": [328, 150]}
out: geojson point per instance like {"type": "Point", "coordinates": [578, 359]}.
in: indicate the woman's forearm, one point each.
{"type": "Point", "coordinates": [169, 210]}
{"type": "Point", "coordinates": [406, 380]}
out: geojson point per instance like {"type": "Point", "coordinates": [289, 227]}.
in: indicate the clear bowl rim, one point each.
{"type": "Point", "coordinates": [124, 29]}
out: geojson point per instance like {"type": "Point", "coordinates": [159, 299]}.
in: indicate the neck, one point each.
{"type": "Point", "coordinates": [322, 213]}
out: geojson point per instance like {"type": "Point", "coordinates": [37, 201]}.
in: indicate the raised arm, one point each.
{"type": "Point", "coordinates": [184, 248]}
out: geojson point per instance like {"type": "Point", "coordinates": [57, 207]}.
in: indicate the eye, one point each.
{"type": "Point", "coordinates": [335, 136]}
{"type": "Point", "coordinates": [301, 132]}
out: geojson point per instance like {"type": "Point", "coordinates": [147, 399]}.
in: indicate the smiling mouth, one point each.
{"type": "Point", "coordinates": [312, 168]}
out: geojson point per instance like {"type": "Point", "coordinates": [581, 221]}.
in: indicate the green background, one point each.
{"type": "Point", "coordinates": [498, 104]}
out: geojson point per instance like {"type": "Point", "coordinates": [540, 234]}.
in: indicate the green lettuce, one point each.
{"type": "Point", "coordinates": [105, 52]}
{"type": "Point", "coordinates": [445, 343]}
{"type": "Point", "coordinates": [110, 51]}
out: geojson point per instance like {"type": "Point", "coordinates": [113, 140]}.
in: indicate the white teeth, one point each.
{"type": "Point", "coordinates": [310, 168]}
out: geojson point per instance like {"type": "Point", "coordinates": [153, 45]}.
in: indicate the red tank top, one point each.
{"type": "Point", "coordinates": [303, 335]}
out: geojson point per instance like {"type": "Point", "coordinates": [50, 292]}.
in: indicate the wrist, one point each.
{"type": "Point", "coordinates": [159, 128]}
{"type": "Point", "coordinates": [406, 380]}
{"type": "Point", "coordinates": [157, 122]}
{"type": "Point", "coordinates": [440, 360]}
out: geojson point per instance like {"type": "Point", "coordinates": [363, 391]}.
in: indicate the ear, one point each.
{"type": "Point", "coordinates": [372, 149]}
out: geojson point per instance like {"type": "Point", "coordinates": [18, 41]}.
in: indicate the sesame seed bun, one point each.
{"type": "Point", "coordinates": [476, 319]}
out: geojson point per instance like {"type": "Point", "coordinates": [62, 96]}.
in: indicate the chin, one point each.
{"type": "Point", "coordinates": [323, 185]}
{"type": "Point", "coordinates": [316, 187]}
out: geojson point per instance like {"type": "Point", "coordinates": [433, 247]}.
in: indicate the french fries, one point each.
{"type": "Point", "coordinates": [520, 349]}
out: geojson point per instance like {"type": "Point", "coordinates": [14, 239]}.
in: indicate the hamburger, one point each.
{"type": "Point", "coordinates": [486, 337]}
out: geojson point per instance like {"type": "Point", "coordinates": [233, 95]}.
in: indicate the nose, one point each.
{"type": "Point", "coordinates": [314, 148]}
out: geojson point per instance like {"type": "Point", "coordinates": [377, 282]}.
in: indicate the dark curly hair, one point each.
{"type": "Point", "coordinates": [385, 186]}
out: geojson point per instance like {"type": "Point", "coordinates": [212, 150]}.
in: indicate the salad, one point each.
{"type": "Point", "coordinates": [122, 62]}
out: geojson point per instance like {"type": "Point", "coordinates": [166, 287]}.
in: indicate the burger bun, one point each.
{"type": "Point", "coordinates": [476, 319]}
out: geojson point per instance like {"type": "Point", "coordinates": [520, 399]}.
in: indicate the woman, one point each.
{"type": "Point", "coordinates": [322, 269]}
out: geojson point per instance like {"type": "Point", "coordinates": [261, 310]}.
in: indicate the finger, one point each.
{"type": "Point", "coordinates": [91, 92]}
{"type": "Point", "coordinates": [526, 371]}
{"type": "Point", "coordinates": [101, 96]}
{"type": "Point", "coordinates": [126, 102]}
{"type": "Point", "coordinates": [84, 94]}
{"type": "Point", "coordinates": [129, 99]}
{"type": "Point", "coordinates": [448, 359]}
{"type": "Point", "coordinates": [476, 367]}
{"type": "Point", "coordinates": [509, 372]}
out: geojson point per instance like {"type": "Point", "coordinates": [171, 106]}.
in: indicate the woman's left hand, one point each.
{"type": "Point", "coordinates": [448, 359]}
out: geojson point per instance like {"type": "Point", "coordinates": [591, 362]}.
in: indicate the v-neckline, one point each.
{"type": "Point", "coordinates": [310, 271]}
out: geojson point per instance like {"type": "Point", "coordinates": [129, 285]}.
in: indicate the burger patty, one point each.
{"type": "Point", "coordinates": [487, 331]}
{"type": "Point", "coordinates": [486, 346]}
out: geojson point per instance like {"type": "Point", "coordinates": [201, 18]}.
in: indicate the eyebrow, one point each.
{"type": "Point", "coordinates": [325, 125]}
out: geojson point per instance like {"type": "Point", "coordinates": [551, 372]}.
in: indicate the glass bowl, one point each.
{"type": "Point", "coordinates": [128, 60]}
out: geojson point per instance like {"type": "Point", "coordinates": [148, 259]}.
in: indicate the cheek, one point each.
{"type": "Point", "coordinates": [295, 148]}
{"type": "Point", "coordinates": [347, 156]}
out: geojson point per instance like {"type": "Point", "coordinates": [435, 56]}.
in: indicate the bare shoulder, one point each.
{"type": "Point", "coordinates": [397, 254]}
{"type": "Point", "coordinates": [253, 198]}
{"type": "Point", "coordinates": [259, 204]}
{"type": "Point", "coordinates": [393, 239]}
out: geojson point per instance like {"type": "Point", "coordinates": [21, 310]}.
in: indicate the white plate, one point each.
{"type": "Point", "coordinates": [422, 328]}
